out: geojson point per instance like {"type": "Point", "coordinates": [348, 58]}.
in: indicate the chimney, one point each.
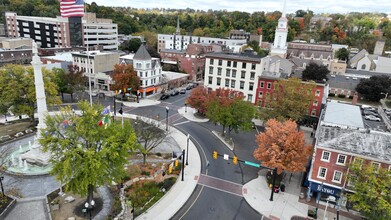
{"type": "Point", "coordinates": [355, 99]}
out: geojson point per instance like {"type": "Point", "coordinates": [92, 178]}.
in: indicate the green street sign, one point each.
{"type": "Point", "coordinates": [252, 164]}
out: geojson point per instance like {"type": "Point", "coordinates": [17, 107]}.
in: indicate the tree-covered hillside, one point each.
{"type": "Point", "coordinates": [359, 30]}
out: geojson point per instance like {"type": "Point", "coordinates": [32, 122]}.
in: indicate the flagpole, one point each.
{"type": "Point", "coordinates": [88, 55]}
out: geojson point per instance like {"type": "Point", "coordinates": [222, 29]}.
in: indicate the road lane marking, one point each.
{"type": "Point", "coordinates": [184, 122]}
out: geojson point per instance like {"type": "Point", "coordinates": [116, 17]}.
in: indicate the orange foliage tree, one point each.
{"type": "Point", "coordinates": [198, 99]}
{"type": "Point", "coordinates": [282, 146]}
{"type": "Point", "coordinates": [125, 77]}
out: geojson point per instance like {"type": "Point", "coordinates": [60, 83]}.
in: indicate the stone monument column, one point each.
{"type": "Point", "coordinates": [39, 91]}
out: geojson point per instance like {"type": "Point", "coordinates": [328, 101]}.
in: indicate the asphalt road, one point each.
{"type": "Point", "coordinates": [217, 197]}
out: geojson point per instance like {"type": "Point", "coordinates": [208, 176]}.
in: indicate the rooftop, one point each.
{"type": "Point", "coordinates": [367, 143]}
{"type": "Point", "coordinates": [236, 56]}
{"type": "Point", "coordinates": [341, 114]}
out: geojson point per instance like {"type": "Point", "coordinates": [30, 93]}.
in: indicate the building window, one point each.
{"type": "Point", "coordinates": [322, 173]}
{"type": "Point", "coordinates": [376, 166]}
{"type": "Point", "coordinates": [138, 65]}
{"type": "Point", "coordinates": [243, 74]}
{"type": "Point", "coordinates": [262, 84]}
{"type": "Point", "coordinates": [252, 75]}
{"type": "Point", "coordinates": [210, 80]}
{"type": "Point", "coordinates": [337, 176]}
{"type": "Point", "coordinates": [313, 112]}
{"type": "Point", "coordinates": [220, 62]}
{"type": "Point", "coordinates": [226, 82]}
{"type": "Point", "coordinates": [141, 74]}
{"type": "Point", "coordinates": [218, 81]}
{"type": "Point", "coordinates": [317, 93]}
{"type": "Point", "coordinates": [253, 66]}
{"type": "Point", "coordinates": [244, 65]}
{"type": "Point", "coordinates": [269, 85]}
{"type": "Point", "coordinates": [315, 103]}
{"type": "Point", "coordinates": [219, 71]}
{"type": "Point", "coordinates": [229, 63]}
{"type": "Point", "coordinates": [232, 83]}
{"type": "Point", "coordinates": [259, 102]}
{"type": "Point", "coordinates": [250, 98]}
{"type": "Point", "coordinates": [260, 94]}
{"type": "Point", "coordinates": [251, 86]}
{"type": "Point", "coordinates": [325, 156]}
{"type": "Point", "coordinates": [228, 73]}
{"type": "Point", "coordinates": [211, 61]}
{"type": "Point", "coordinates": [233, 73]}
{"type": "Point", "coordinates": [235, 64]}
{"type": "Point", "coordinates": [241, 85]}
{"type": "Point", "coordinates": [341, 159]}
{"type": "Point", "coordinates": [210, 70]}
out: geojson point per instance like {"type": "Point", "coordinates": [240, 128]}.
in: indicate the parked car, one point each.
{"type": "Point", "coordinates": [164, 96]}
{"type": "Point", "coordinates": [372, 118]}
{"type": "Point", "coordinates": [366, 112]}
{"type": "Point", "coordinates": [188, 87]}
{"type": "Point", "coordinates": [174, 92]}
{"type": "Point", "coordinates": [182, 91]}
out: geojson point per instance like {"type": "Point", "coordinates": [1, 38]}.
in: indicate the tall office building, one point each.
{"type": "Point", "coordinates": [64, 32]}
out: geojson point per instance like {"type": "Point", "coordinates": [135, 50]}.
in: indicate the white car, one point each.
{"type": "Point", "coordinates": [372, 118]}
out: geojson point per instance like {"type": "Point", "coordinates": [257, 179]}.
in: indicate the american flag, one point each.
{"type": "Point", "coordinates": [72, 8]}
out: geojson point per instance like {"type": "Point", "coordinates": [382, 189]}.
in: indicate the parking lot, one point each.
{"type": "Point", "coordinates": [374, 125]}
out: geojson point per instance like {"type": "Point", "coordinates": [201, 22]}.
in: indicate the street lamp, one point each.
{"type": "Point", "coordinates": [183, 164]}
{"type": "Point", "coordinates": [167, 109]}
{"type": "Point", "coordinates": [89, 207]}
{"type": "Point", "coordinates": [185, 107]}
{"type": "Point", "coordinates": [274, 183]}
{"type": "Point", "coordinates": [187, 150]}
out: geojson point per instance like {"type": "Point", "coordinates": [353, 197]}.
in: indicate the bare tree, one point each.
{"type": "Point", "coordinates": [149, 135]}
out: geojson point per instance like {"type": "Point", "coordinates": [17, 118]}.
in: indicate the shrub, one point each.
{"type": "Point", "coordinates": [331, 94]}
{"type": "Point", "coordinates": [159, 154]}
{"type": "Point", "coordinates": [350, 97]}
{"type": "Point", "coordinates": [167, 183]}
{"type": "Point", "coordinates": [146, 173]}
{"type": "Point", "coordinates": [341, 95]}
{"type": "Point", "coordinates": [126, 177]}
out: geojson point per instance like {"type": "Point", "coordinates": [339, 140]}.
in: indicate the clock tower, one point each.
{"type": "Point", "coordinates": [279, 47]}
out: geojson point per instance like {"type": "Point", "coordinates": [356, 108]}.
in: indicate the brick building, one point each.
{"type": "Point", "coordinates": [266, 86]}
{"type": "Point", "coordinates": [342, 138]}
{"type": "Point", "coordinates": [191, 60]}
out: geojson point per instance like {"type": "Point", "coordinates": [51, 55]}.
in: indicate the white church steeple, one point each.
{"type": "Point", "coordinates": [280, 45]}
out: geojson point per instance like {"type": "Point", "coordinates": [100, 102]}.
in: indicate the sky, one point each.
{"type": "Point", "coordinates": [317, 6]}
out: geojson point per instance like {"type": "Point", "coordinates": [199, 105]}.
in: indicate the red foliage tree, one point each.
{"type": "Point", "coordinates": [125, 77]}
{"type": "Point", "coordinates": [282, 146]}
{"type": "Point", "coordinates": [198, 99]}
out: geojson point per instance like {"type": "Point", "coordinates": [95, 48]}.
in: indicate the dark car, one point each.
{"type": "Point", "coordinates": [174, 92]}
{"type": "Point", "coordinates": [188, 87]}
{"type": "Point", "coordinates": [164, 96]}
{"type": "Point", "coordinates": [183, 91]}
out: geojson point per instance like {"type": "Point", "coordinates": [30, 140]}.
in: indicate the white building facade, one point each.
{"type": "Point", "coordinates": [148, 70]}
{"type": "Point", "coordinates": [239, 72]}
{"type": "Point", "coordinates": [180, 42]}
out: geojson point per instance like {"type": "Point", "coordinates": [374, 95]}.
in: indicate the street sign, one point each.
{"type": "Point", "coordinates": [252, 164]}
{"type": "Point", "coordinates": [226, 157]}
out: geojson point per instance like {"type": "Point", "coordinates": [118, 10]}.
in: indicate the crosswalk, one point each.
{"type": "Point", "coordinates": [221, 185]}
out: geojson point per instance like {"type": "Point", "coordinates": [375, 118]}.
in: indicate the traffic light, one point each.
{"type": "Point", "coordinates": [120, 111]}
{"type": "Point", "coordinates": [176, 163]}
{"type": "Point", "coordinates": [235, 160]}
{"type": "Point", "coordinates": [170, 169]}
{"type": "Point", "coordinates": [215, 155]}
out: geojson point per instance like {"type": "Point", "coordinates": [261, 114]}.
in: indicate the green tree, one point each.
{"type": "Point", "coordinates": [290, 99]}
{"type": "Point", "coordinates": [372, 195]}
{"type": "Point", "coordinates": [342, 54]}
{"type": "Point", "coordinates": [85, 153]}
{"type": "Point", "coordinates": [18, 89]}
{"type": "Point", "coordinates": [315, 72]}
{"type": "Point", "coordinates": [372, 88]}
{"type": "Point", "coordinates": [228, 108]}
{"type": "Point", "coordinates": [131, 45]}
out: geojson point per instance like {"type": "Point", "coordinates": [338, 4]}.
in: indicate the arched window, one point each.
{"type": "Point", "coordinates": [363, 67]}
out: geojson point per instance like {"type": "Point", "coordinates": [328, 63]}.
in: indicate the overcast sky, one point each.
{"type": "Point", "coordinates": [318, 6]}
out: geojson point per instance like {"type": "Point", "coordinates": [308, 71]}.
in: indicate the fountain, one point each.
{"type": "Point", "coordinates": [32, 161]}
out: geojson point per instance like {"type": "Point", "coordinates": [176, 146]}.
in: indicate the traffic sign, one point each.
{"type": "Point", "coordinates": [252, 164]}
{"type": "Point", "coordinates": [226, 157]}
